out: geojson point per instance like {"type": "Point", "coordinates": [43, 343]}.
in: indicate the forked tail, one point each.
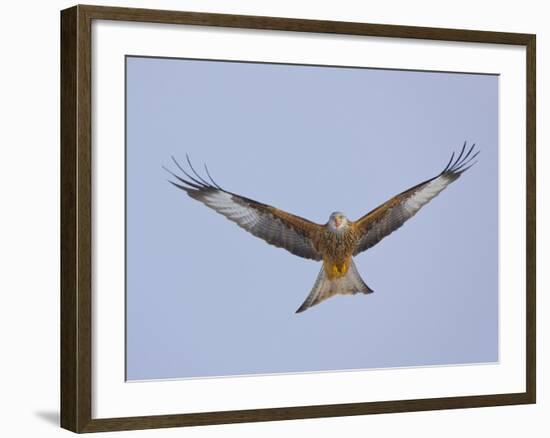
{"type": "Point", "coordinates": [324, 288]}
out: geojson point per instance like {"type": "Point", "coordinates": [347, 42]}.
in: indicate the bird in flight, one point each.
{"type": "Point", "coordinates": [334, 243]}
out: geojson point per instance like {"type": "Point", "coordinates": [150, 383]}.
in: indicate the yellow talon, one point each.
{"type": "Point", "coordinates": [336, 271]}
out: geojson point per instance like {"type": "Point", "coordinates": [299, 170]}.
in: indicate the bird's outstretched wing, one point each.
{"type": "Point", "coordinates": [276, 227]}
{"type": "Point", "coordinates": [388, 217]}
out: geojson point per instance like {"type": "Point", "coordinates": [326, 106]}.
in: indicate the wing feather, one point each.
{"type": "Point", "coordinates": [388, 217]}
{"type": "Point", "coordinates": [276, 227]}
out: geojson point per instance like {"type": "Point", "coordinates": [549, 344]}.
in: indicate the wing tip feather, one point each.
{"type": "Point", "coordinates": [192, 183]}
{"type": "Point", "coordinates": [460, 164]}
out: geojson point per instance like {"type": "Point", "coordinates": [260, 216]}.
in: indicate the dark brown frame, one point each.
{"type": "Point", "coordinates": [76, 236]}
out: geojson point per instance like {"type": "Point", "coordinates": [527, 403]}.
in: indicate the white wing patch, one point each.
{"type": "Point", "coordinates": [426, 194]}
{"type": "Point", "coordinates": [224, 204]}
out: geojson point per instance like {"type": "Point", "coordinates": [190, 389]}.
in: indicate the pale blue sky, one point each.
{"type": "Point", "coordinates": [205, 298]}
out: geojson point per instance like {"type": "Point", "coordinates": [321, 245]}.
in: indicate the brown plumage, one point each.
{"type": "Point", "coordinates": [337, 241]}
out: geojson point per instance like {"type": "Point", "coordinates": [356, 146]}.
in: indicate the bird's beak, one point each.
{"type": "Point", "coordinates": [337, 222]}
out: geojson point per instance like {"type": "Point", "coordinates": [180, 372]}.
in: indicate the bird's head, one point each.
{"type": "Point", "coordinates": [338, 221]}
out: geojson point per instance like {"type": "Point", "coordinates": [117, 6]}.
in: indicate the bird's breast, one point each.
{"type": "Point", "coordinates": [337, 246]}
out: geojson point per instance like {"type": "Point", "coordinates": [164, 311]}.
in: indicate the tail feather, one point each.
{"type": "Point", "coordinates": [324, 288]}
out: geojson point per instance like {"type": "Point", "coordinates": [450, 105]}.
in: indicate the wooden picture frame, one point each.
{"type": "Point", "coordinates": [76, 218]}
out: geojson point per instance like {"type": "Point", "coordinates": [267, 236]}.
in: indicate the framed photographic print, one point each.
{"type": "Point", "coordinates": [271, 218]}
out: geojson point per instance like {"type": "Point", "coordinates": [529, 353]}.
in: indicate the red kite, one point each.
{"type": "Point", "coordinates": [337, 241]}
